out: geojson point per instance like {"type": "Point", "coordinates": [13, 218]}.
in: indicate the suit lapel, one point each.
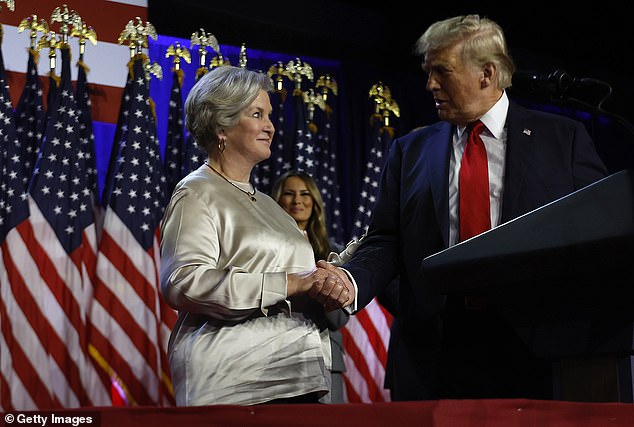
{"type": "Point", "coordinates": [440, 146]}
{"type": "Point", "coordinates": [519, 147]}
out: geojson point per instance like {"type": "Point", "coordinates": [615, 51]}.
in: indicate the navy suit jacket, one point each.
{"type": "Point", "coordinates": [547, 156]}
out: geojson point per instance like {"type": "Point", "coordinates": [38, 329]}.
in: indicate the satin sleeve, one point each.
{"type": "Point", "coordinates": [194, 279]}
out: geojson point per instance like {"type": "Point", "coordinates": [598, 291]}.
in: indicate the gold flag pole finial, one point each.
{"type": "Point", "coordinates": [179, 53]}
{"type": "Point", "coordinates": [34, 26]}
{"type": "Point", "coordinates": [277, 72]}
{"type": "Point", "coordinates": [49, 41]}
{"type": "Point", "coordinates": [379, 93]}
{"type": "Point", "coordinates": [242, 61]}
{"type": "Point", "coordinates": [389, 106]}
{"type": "Point", "coordinates": [83, 32]}
{"type": "Point", "coordinates": [297, 70]}
{"type": "Point", "coordinates": [10, 4]}
{"type": "Point", "coordinates": [218, 60]}
{"type": "Point", "coordinates": [129, 35]}
{"type": "Point", "coordinates": [312, 100]}
{"type": "Point", "coordinates": [384, 104]}
{"type": "Point", "coordinates": [136, 34]}
{"type": "Point", "coordinates": [67, 19]}
{"type": "Point", "coordinates": [327, 83]}
{"type": "Point", "coordinates": [153, 69]}
{"type": "Point", "coordinates": [202, 39]}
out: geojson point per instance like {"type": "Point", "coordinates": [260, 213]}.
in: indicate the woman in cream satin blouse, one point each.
{"type": "Point", "coordinates": [237, 268]}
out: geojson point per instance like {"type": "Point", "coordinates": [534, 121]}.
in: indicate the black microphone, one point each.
{"type": "Point", "coordinates": [558, 82]}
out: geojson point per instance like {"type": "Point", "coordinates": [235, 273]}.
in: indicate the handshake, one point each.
{"type": "Point", "coordinates": [327, 283]}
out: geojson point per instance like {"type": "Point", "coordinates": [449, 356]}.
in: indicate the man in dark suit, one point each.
{"type": "Point", "coordinates": [456, 348]}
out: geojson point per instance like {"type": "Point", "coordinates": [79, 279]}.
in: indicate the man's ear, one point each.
{"type": "Point", "coordinates": [489, 73]}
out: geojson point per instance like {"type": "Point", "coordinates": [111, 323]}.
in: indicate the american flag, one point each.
{"type": "Point", "coordinates": [305, 153]}
{"type": "Point", "coordinates": [48, 258]}
{"type": "Point", "coordinates": [381, 139]}
{"type": "Point", "coordinates": [122, 126]}
{"type": "Point", "coordinates": [193, 156]}
{"type": "Point", "coordinates": [18, 376]}
{"type": "Point", "coordinates": [53, 78]}
{"type": "Point", "coordinates": [86, 134]}
{"type": "Point", "coordinates": [131, 323]}
{"type": "Point", "coordinates": [267, 171]}
{"type": "Point", "coordinates": [175, 144]}
{"type": "Point", "coordinates": [366, 335]}
{"type": "Point", "coordinates": [30, 117]}
{"type": "Point", "coordinates": [326, 174]}
{"type": "Point", "coordinates": [182, 155]}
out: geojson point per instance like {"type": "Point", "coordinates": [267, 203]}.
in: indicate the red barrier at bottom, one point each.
{"type": "Point", "coordinates": [443, 413]}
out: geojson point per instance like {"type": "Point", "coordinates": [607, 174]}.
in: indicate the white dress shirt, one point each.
{"type": "Point", "coordinates": [494, 138]}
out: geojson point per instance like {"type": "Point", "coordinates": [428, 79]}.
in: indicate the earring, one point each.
{"type": "Point", "coordinates": [222, 144]}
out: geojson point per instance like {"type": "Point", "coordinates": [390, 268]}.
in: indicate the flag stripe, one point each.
{"type": "Point", "coordinates": [376, 327]}
{"type": "Point", "coordinates": [354, 381]}
{"type": "Point", "coordinates": [40, 241]}
{"type": "Point", "coordinates": [357, 370]}
{"type": "Point", "coordinates": [16, 366]}
{"type": "Point", "coordinates": [42, 287]}
{"type": "Point", "coordinates": [115, 353]}
{"type": "Point", "coordinates": [359, 347]}
{"type": "Point", "coordinates": [118, 255]}
{"type": "Point", "coordinates": [30, 336]}
{"type": "Point", "coordinates": [137, 334]}
{"type": "Point", "coordinates": [13, 392]}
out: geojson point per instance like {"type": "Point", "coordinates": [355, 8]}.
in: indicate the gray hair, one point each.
{"type": "Point", "coordinates": [484, 42]}
{"type": "Point", "coordinates": [216, 100]}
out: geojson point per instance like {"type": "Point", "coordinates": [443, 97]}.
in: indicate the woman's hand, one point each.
{"type": "Point", "coordinates": [302, 282]}
{"type": "Point", "coordinates": [326, 284]}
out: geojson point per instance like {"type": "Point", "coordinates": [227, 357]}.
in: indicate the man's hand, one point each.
{"type": "Point", "coordinates": [335, 292]}
{"type": "Point", "coordinates": [326, 283]}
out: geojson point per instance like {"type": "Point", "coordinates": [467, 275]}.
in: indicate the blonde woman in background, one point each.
{"type": "Point", "coordinates": [298, 194]}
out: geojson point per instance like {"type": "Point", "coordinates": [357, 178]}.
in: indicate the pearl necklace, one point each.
{"type": "Point", "coordinates": [250, 195]}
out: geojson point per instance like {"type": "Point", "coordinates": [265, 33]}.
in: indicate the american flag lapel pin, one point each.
{"type": "Point", "coordinates": [527, 132]}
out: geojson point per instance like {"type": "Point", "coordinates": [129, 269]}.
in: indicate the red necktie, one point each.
{"type": "Point", "coordinates": [474, 205]}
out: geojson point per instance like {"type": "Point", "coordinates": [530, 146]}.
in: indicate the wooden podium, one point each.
{"type": "Point", "coordinates": [563, 277]}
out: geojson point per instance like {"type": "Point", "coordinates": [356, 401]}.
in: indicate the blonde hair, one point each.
{"type": "Point", "coordinates": [484, 42]}
{"type": "Point", "coordinates": [316, 227]}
